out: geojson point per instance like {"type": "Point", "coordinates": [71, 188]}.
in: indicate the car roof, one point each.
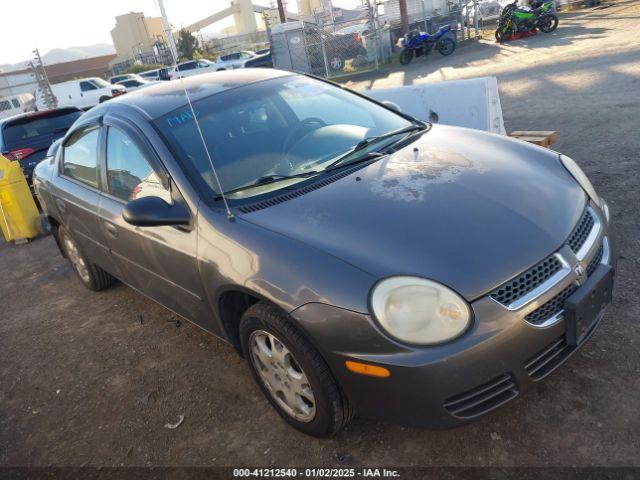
{"type": "Point", "coordinates": [162, 98]}
{"type": "Point", "coordinates": [37, 114]}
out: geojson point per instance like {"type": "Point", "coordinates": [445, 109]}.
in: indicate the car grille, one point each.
{"type": "Point", "coordinates": [595, 261]}
{"type": "Point", "coordinates": [527, 281]}
{"type": "Point", "coordinates": [556, 304]}
{"type": "Point", "coordinates": [548, 359]}
{"type": "Point", "coordinates": [482, 399]}
{"type": "Point", "coordinates": [552, 307]}
{"type": "Point", "coordinates": [518, 287]}
{"type": "Point", "coordinates": [581, 231]}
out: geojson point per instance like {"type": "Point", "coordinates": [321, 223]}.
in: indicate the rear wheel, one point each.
{"type": "Point", "coordinates": [446, 46]}
{"type": "Point", "coordinates": [291, 373]}
{"type": "Point", "coordinates": [406, 56]}
{"type": "Point", "coordinates": [92, 276]}
{"type": "Point", "coordinates": [548, 23]}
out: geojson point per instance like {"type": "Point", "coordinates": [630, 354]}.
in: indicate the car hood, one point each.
{"type": "Point", "coordinates": [463, 207]}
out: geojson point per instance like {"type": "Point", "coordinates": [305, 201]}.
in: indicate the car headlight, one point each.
{"type": "Point", "coordinates": [580, 177]}
{"type": "Point", "coordinates": [419, 311]}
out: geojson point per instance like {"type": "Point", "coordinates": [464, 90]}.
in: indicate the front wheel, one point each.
{"type": "Point", "coordinates": [291, 373]}
{"type": "Point", "coordinates": [406, 56]}
{"type": "Point", "coordinates": [503, 34]}
{"type": "Point", "coordinates": [548, 23]}
{"type": "Point", "coordinates": [446, 46]}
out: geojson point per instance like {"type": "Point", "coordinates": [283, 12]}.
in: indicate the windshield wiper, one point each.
{"type": "Point", "coordinates": [362, 144]}
{"type": "Point", "coordinates": [266, 180]}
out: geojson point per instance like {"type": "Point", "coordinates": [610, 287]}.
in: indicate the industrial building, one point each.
{"type": "Point", "coordinates": [135, 35]}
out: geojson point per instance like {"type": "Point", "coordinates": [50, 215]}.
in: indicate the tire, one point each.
{"type": "Point", "coordinates": [446, 46]}
{"type": "Point", "coordinates": [502, 36]}
{"type": "Point", "coordinates": [104, 99]}
{"type": "Point", "coordinates": [275, 349]}
{"type": "Point", "coordinates": [91, 276]}
{"type": "Point", "coordinates": [336, 63]}
{"type": "Point", "coordinates": [406, 56]}
{"type": "Point", "coordinates": [548, 23]}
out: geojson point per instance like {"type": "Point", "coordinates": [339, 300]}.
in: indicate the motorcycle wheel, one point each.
{"type": "Point", "coordinates": [548, 23]}
{"type": "Point", "coordinates": [446, 46]}
{"type": "Point", "coordinates": [503, 35]}
{"type": "Point", "coordinates": [406, 56]}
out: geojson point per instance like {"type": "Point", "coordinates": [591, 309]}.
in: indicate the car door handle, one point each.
{"type": "Point", "coordinates": [111, 229]}
{"type": "Point", "coordinates": [61, 205]}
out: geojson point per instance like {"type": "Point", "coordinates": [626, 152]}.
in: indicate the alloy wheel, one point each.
{"type": "Point", "coordinates": [76, 259]}
{"type": "Point", "coordinates": [282, 375]}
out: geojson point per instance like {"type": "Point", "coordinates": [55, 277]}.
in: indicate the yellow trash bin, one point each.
{"type": "Point", "coordinates": [19, 218]}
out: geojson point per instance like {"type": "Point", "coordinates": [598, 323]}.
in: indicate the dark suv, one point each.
{"type": "Point", "coordinates": [26, 137]}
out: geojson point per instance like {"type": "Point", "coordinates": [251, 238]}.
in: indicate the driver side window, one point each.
{"type": "Point", "coordinates": [129, 174]}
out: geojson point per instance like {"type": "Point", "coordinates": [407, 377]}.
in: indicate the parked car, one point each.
{"type": "Point", "coordinates": [26, 137]}
{"type": "Point", "coordinates": [488, 10]}
{"type": "Point", "coordinates": [136, 83]}
{"type": "Point", "coordinates": [264, 60]}
{"type": "Point", "coordinates": [338, 48]}
{"type": "Point", "coordinates": [234, 60]}
{"type": "Point", "coordinates": [360, 260]}
{"type": "Point", "coordinates": [83, 93]}
{"type": "Point", "coordinates": [15, 104]}
{"type": "Point", "coordinates": [156, 74]}
{"type": "Point", "coordinates": [192, 67]}
{"type": "Point", "coordinates": [125, 76]}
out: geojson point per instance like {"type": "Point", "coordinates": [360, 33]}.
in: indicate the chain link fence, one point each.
{"type": "Point", "coordinates": [331, 46]}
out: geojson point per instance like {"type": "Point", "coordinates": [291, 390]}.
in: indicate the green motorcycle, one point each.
{"type": "Point", "coordinates": [515, 20]}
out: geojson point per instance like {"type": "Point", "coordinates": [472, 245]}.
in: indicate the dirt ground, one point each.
{"type": "Point", "coordinates": [83, 381]}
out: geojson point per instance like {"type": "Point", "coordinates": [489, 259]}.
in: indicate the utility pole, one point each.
{"type": "Point", "coordinates": [404, 17]}
{"type": "Point", "coordinates": [44, 86]}
{"type": "Point", "coordinates": [282, 12]}
{"type": "Point", "coordinates": [168, 33]}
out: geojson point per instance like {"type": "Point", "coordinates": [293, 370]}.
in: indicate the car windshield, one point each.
{"type": "Point", "coordinates": [268, 132]}
{"type": "Point", "coordinates": [25, 130]}
{"type": "Point", "coordinates": [100, 82]}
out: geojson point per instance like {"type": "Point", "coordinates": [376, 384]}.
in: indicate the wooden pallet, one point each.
{"type": "Point", "coordinates": [542, 138]}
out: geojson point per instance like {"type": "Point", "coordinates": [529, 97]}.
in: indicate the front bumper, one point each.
{"type": "Point", "coordinates": [498, 359]}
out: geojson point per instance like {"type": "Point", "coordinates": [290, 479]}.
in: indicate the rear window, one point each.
{"type": "Point", "coordinates": [25, 130]}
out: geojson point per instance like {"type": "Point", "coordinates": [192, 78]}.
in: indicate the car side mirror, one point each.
{"type": "Point", "coordinates": [155, 212]}
{"type": "Point", "coordinates": [391, 105]}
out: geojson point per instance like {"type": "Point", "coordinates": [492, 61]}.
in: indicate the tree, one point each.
{"type": "Point", "coordinates": [187, 44]}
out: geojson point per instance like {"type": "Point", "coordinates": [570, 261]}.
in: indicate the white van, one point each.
{"type": "Point", "coordinates": [82, 93]}
{"type": "Point", "coordinates": [15, 104]}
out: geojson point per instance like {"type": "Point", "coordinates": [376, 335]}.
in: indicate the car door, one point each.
{"type": "Point", "coordinates": [89, 93]}
{"type": "Point", "coordinates": [244, 56]}
{"type": "Point", "coordinates": [158, 261]}
{"type": "Point", "coordinates": [77, 194]}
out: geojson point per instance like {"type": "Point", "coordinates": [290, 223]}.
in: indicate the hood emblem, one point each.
{"type": "Point", "coordinates": [581, 273]}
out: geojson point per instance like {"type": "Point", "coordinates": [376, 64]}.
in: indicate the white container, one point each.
{"type": "Point", "coordinates": [472, 103]}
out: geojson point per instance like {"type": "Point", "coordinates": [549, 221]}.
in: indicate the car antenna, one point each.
{"type": "Point", "coordinates": [174, 57]}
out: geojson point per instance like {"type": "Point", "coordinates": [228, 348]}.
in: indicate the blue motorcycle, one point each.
{"type": "Point", "coordinates": [416, 43]}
